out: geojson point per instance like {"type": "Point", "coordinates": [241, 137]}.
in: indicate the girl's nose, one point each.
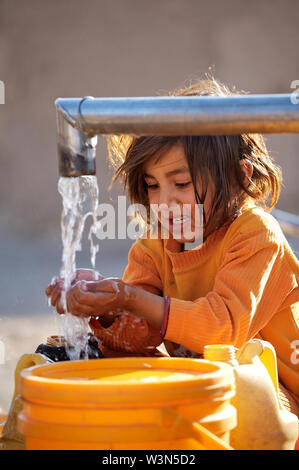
{"type": "Point", "coordinates": [168, 198]}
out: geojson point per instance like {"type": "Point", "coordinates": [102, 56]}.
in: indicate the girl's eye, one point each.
{"type": "Point", "coordinates": [151, 186]}
{"type": "Point", "coordinates": [183, 185]}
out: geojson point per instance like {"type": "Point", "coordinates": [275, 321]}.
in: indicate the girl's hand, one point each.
{"type": "Point", "coordinates": [96, 298]}
{"type": "Point", "coordinates": [56, 287]}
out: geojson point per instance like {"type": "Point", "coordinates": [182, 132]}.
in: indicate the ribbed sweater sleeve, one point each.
{"type": "Point", "coordinates": [141, 271]}
{"type": "Point", "coordinates": [252, 281]}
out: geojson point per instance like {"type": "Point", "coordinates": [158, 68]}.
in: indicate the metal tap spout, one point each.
{"type": "Point", "coordinates": [76, 150]}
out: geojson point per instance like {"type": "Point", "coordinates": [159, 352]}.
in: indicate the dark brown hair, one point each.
{"type": "Point", "coordinates": [208, 156]}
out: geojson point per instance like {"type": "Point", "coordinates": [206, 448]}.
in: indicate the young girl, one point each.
{"type": "Point", "coordinates": [241, 282]}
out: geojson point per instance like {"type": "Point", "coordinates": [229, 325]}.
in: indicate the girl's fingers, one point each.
{"type": "Point", "coordinates": [99, 293]}
{"type": "Point", "coordinates": [73, 297]}
{"type": "Point", "coordinates": [80, 295]}
{"type": "Point", "coordinates": [100, 302]}
{"type": "Point", "coordinates": [59, 308]}
{"type": "Point", "coordinates": [106, 285]}
{"type": "Point", "coordinates": [56, 293]}
{"type": "Point", "coordinates": [51, 287]}
{"type": "Point", "coordinates": [82, 311]}
{"type": "Point", "coordinates": [53, 284]}
{"type": "Point", "coordinates": [81, 275]}
{"type": "Point", "coordinates": [49, 290]}
{"type": "Point", "coordinates": [96, 303]}
{"type": "Point", "coordinates": [87, 275]}
{"type": "Point", "coordinates": [54, 289]}
{"type": "Point", "coordinates": [77, 308]}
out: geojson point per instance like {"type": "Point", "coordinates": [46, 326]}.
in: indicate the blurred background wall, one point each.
{"type": "Point", "coordinates": [70, 48]}
{"type": "Point", "coordinates": [126, 48]}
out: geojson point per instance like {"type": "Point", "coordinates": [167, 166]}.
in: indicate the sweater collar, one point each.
{"type": "Point", "coordinates": [184, 259]}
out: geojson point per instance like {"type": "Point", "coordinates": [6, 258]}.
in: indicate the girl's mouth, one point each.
{"type": "Point", "coordinates": [176, 223]}
{"type": "Point", "coordinates": [182, 225]}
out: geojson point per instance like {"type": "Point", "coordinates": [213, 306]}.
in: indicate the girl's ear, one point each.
{"type": "Point", "coordinates": [247, 169]}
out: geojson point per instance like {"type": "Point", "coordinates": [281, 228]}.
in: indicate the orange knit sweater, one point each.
{"type": "Point", "coordinates": [242, 282]}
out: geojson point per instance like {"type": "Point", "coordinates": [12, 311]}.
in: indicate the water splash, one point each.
{"type": "Point", "coordinates": [79, 200]}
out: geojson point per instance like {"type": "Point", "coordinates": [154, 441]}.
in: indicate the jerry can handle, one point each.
{"type": "Point", "coordinates": [268, 358]}
{"type": "Point", "coordinates": [186, 427]}
{"type": "Point", "coordinates": [207, 438]}
{"type": "Point", "coordinates": [266, 354]}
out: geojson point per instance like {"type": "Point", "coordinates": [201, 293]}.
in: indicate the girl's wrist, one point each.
{"type": "Point", "coordinates": [130, 297]}
{"type": "Point", "coordinates": [145, 305]}
{"type": "Point", "coordinates": [165, 316]}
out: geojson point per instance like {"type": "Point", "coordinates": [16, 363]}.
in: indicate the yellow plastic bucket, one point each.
{"type": "Point", "coordinates": [127, 403]}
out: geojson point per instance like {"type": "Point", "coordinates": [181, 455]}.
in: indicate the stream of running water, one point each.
{"type": "Point", "coordinates": [79, 200]}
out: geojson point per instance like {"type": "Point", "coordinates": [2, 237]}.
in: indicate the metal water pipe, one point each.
{"type": "Point", "coordinates": [81, 120]}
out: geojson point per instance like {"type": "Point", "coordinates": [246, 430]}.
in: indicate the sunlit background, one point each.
{"type": "Point", "coordinates": [111, 48]}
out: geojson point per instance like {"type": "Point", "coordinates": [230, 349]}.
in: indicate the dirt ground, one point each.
{"type": "Point", "coordinates": [22, 336]}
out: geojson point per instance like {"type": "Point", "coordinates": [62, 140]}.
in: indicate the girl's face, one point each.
{"type": "Point", "coordinates": [169, 186]}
